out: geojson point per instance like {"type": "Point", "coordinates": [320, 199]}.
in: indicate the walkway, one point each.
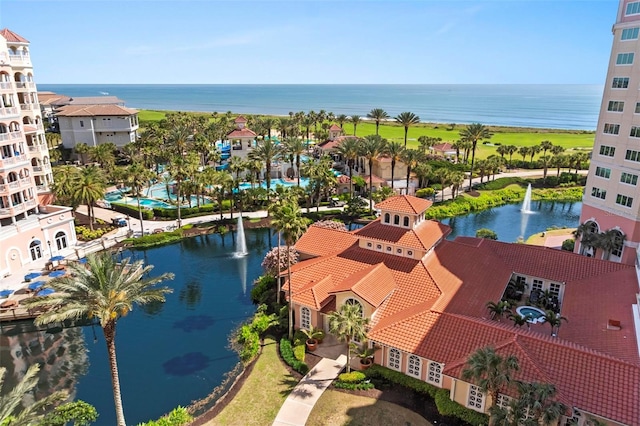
{"type": "Point", "coordinates": [300, 402]}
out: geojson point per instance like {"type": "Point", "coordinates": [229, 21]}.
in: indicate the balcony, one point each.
{"type": "Point", "coordinates": [41, 168]}
{"type": "Point", "coordinates": [42, 188]}
{"type": "Point", "coordinates": [9, 112]}
{"type": "Point", "coordinates": [19, 60]}
{"type": "Point", "coordinates": [37, 148]}
{"type": "Point", "coordinates": [25, 85]}
{"type": "Point", "coordinates": [27, 107]}
{"type": "Point", "coordinates": [10, 136]}
{"type": "Point", "coordinates": [10, 161]}
{"type": "Point", "coordinates": [6, 85]}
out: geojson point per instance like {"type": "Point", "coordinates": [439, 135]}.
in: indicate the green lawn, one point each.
{"type": "Point", "coordinates": [339, 408]}
{"type": "Point", "coordinates": [262, 394]}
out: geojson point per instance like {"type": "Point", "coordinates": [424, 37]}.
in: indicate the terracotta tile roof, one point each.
{"type": "Point", "coordinates": [86, 100]}
{"type": "Point", "coordinates": [10, 36]}
{"type": "Point", "coordinates": [318, 241]}
{"type": "Point", "coordinates": [315, 294]}
{"type": "Point", "coordinates": [404, 204]}
{"type": "Point", "coordinates": [241, 133]}
{"type": "Point", "coordinates": [374, 178]}
{"type": "Point", "coordinates": [423, 237]}
{"type": "Point", "coordinates": [443, 147]}
{"type": "Point", "coordinates": [383, 159]}
{"type": "Point", "coordinates": [94, 111]}
{"type": "Point", "coordinates": [335, 127]}
{"type": "Point", "coordinates": [47, 98]}
{"type": "Point", "coordinates": [343, 179]}
{"type": "Point", "coordinates": [373, 284]}
{"type": "Point", "coordinates": [333, 144]}
{"type": "Point", "coordinates": [240, 119]}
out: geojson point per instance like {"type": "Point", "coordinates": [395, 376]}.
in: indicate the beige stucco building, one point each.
{"type": "Point", "coordinates": [612, 195]}
{"type": "Point", "coordinates": [30, 229]}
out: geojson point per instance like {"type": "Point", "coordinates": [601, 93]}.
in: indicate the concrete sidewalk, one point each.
{"type": "Point", "coordinates": [300, 402]}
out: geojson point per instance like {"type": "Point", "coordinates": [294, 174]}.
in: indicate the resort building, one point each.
{"type": "Point", "coordinates": [96, 124]}
{"type": "Point", "coordinates": [426, 298]}
{"type": "Point", "coordinates": [242, 139]}
{"type": "Point", "coordinates": [50, 102]}
{"type": "Point", "coordinates": [30, 228]}
{"type": "Point", "coordinates": [611, 201]}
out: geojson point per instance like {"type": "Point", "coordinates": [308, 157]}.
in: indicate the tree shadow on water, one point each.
{"type": "Point", "coordinates": [194, 323]}
{"type": "Point", "coordinates": [186, 364]}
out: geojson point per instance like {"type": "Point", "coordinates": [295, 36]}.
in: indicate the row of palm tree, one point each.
{"type": "Point", "coordinates": [498, 310]}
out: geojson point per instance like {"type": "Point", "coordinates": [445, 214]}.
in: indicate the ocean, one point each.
{"type": "Point", "coordinates": [556, 106]}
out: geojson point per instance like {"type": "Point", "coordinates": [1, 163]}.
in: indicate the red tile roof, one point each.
{"type": "Point", "coordinates": [318, 241]}
{"type": "Point", "coordinates": [10, 36]}
{"type": "Point", "coordinates": [443, 147]}
{"type": "Point", "coordinates": [335, 127]}
{"type": "Point", "coordinates": [343, 179]}
{"type": "Point", "coordinates": [333, 144]}
{"type": "Point", "coordinates": [404, 204]}
{"type": "Point", "coordinates": [241, 133]}
{"type": "Point", "coordinates": [373, 284]}
{"type": "Point", "coordinates": [423, 237]}
{"type": "Point", "coordinates": [94, 111]}
{"type": "Point", "coordinates": [240, 119]}
{"type": "Point", "coordinates": [374, 178]}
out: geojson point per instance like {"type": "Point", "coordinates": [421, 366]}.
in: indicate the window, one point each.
{"type": "Point", "coordinates": [616, 251]}
{"type": "Point", "coordinates": [81, 123]}
{"type": "Point", "coordinates": [520, 280]}
{"type": "Point", "coordinates": [61, 240]}
{"type": "Point", "coordinates": [637, 111]}
{"type": "Point", "coordinates": [389, 248]}
{"type": "Point", "coordinates": [410, 252]}
{"type": "Point", "coordinates": [630, 34]}
{"type": "Point", "coordinates": [435, 373]}
{"type": "Point", "coordinates": [554, 288]}
{"type": "Point", "coordinates": [607, 151]}
{"type": "Point", "coordinates": [635, 132]}
{"type": "Point", "coordinates": [379, 246]}
{"type": "Point", "coordinates": [629, 178]}
{"type": "Point", "coordinates": [394, 359]}
{"type": "Point", "coordinates": [413, 366]}
{"type": "Point", "coordinates": [611, 129]}
{"type": "Point", "coordinates": [503, 401]}
{"type": "Point", "coordinates": [615, 106]}
{"type": "Point", "coordinates": [620, 83]}
{"type": "Point", "coordinates": [537, 285]}
{"type": "Point", "coordinates": [603, 172]}
{"type": "Point", "coordinates": [405, 221]}
{"type": "Point", "coordinates": [624, 58]}
{"type": "Point", "coordinates": [475, 399]}
{"type": "Point", "coordinates": [305, 318]}
{"type": "Point", "coordinates": [633, 8]}
{"type": "Point", "coordinates": [399, 251]}
{"type": "Point", "coordinates": [387, 217]}
{"type": "Point", "coordinates": [396, 220]}
{"type": "Point", "coordinates": [632, 155]}
{"type": "Point", "coordinates": [369, 245]}
{"type": "Point", "coordinates": [354, 302]}
{"type": "Point", "coordinates": [624, 200]}
{"type": "Point", "coordinates": [35, 248]}
{"type": "Point", "coordinates": [598, 193]}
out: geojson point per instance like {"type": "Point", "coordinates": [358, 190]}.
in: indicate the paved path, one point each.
{"type": "Point", "coordinates": [300, 402]}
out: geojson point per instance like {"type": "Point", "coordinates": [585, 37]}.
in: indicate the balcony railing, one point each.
{"type": "Point", "coordinates": [6, 212]}
{"type": "Point", "coordinates": [41, 188]}
{"type": "Point", "coordinates": [37, 148]}
{"type": "Point", "coordinates": [8, 111]}
{"type": "Point", "coordinates": [19, 59]}
{"type": "Point", "coordinates": [11, 135]}
{"type": "Point", "coordinates": [26, 107]}
{"type": "Point", "coordinates": [29, 203]}
{"type": "Point", "coordinates": [6, 85]}
{"type": "Point", "coordinates": [9, 161]}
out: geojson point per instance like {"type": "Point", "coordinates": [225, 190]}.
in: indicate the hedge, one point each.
{"type": "Point", "coordinates": [286, 352]}
{"type": "Point", "coordinates": [299, 351]}
{"type": "Point", "coordinates": [184, 211]}
{"type": "Point", "coordinates": [447, 407]}
{"type": "Point", "coordinates": [132, 211]}
{"type": "Point", "coordinates": [501, 183]}
{"type": "Point", "coordinates": [152, 240]}
{"type": "Point", "coordinates": [353, 377]}
{"type": "Point", "coordinates": [177, 417]}
{"type": "Point", "coordinates": [379, 372]}
{"type": "Point", "coordinates": [354, 386]}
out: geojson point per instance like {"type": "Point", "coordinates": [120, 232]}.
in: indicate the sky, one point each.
{"type": "Point", "coordinates": [315, 41]}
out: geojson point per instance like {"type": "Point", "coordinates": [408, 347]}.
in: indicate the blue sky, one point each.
{"type": "Point", "coordinates": [321, 41]}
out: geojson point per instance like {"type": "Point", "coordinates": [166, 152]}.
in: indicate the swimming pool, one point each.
{"type": "Point", "coordinates": [531, 313]}
{"type": "Point", "coordinates": [275, 182]}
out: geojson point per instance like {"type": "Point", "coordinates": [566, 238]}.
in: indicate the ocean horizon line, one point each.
{"type": "Point", "coordinates": [322, 84]}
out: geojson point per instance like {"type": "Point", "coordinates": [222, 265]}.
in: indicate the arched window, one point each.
{"type": "Point", "coordinates": [394, 359]}
{"type": "Point", "coordinates": [414, 366]}
{"type": "Point", "coordinates": [387, 217]}
{"type": "Point", "coordinates": [434, 375]}
{"type": "Point", "coordinates": [354, 302]}
{"type": "Point", "coordinates": [617, 246]}
{"type": "Point", "coordinates": [406, 221]}
{"type": "Point", "coordinates": [305, 318]}
{"type": "Point", "coordinates": [61, 240]}
{"type": "Point", "coordinates": [396, 220]}
{"type": "Point", "coordinates": [35, 248]}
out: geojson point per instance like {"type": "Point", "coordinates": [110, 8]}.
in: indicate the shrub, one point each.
{"type": "Point", "coordinates": [379, 372]}
{"type": "Point", "coordinates": [286, 352]}
{"type": "Point", "coordinates": [85, 234]}
{"type": "Point", "coordinates": [568, 244]}
{"type": "Point", "coordinates": [78, 412]}
{"type": "Point", "coordinates": [250, 342]}
{"type": "Point", "coordinates": [354, 386]}
{"type": "Point", "coordinates": [331, 224]}
{"type": "Point", "coordinates": [264, 290]}
{"type": "Point", "coordinates": [501, 183]}
{"type": "Point", "coordinates": [353, 377]}
{"type": "Point", "coordinates": [132, 211]}
{"type": "Point", "coordinates": [447, 407]}
{"type": "Point", "coordinates": [155, 239]}
{"type": "Point", "coordinates": [177, 417]}
{"type": "Point", "coordinates": [486, 233]}
{"type": "Point", "coordinates": [425, 193]}
{"type": "Point", "coordinates": [298, 352]}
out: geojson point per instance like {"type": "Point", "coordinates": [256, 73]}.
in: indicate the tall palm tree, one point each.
{"type": "Point", "coordinates": [555, 321]}
{"type": "Point", "coordinates": [511, 149]}
{"type": "Point", "coordinates": [427, 142]}
{"type": "Point", "coordinates": [411, 158]}
{"type": "Point", "coordinates": [288, 220]}
{"type": "Point", "coordinates": [371, 147]}
{"type": "Point", "coordinates": [348, 324]}
{"type": "Point", "coordinates": [137, 177]}
{"type": "Point", "coordinates": [355, 119]}
{"type": "Point", "coordinates": [106, 290]}
{"type": "Point", "coordinates": [89, 188]}
{"type": "Point", "coordinates": [538, 398]}
{"type": "Point", "coordinates": [457, 180]}
{"type": "Point", "coordinates": [524, 151]}
{"type": "Point", "coordinates": [490, 371]}
{"type": "Point", "coordinates": [473, 133]}
{"type": "Point", "coordinates": [378, 114]}
{"type": "Point", "coordinates": [266, 151]}
{"type": "Point", "coordinates": [498, 309]}
{"type": "Point", "coordinates": [65, 179]}
{"type": "Point", "coordinates": [394, 151]}
{"type": "Point", "coordinates": [341, 119]}
{"type": "Point", "coordinates": [295, 147]}
{"type": "Point", "coordinates": [11, 410]}
{"type": "Point", "coordinates": [349, 149]}
{"type": "Point", "coordinates": [533, 150]}
{"type": "Point", "coordinates": [443, 175]}
{"type": "Point", "coordinates": [545, 146]}
{"type": "Point", "coordinates": [407, 119]}
{"type": "Point", "coordinates": [609, 241]}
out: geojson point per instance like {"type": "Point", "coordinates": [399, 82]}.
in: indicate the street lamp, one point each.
{"type": "Point", "coordinates": [50, 252]}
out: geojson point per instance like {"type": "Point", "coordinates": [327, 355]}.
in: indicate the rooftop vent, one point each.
{"type": "Point", "coordinates": [613, 325]}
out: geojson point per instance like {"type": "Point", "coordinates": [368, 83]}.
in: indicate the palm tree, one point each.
{"type": "Point", "coordinates": [288, 220]}
{"type": "Point", "coordinates": [266, 151]}
{"type": "Point", "coordinates": [355, 119]}
{"type": "Point", "coordinates": [443, 175]}
{"type": "Point", "coordinates": [490, 371]}
{"type": "Point", "coordinates": [82, 149]}
{"type": "Point", "coordinates": [497, 310]}
{"type": "Point", "coordinates": [137, 177]}
{"type": "Point", "coordinates": [473, 133]}
{"type": "Point", "coordinates": [511, 149]}
{"type": "Point", "coordinates": [11, 409]}
{"type": "Point", "coordinates": [378, 114]}
{"type": "Point", "coordinates": [427, 142]}
{"type": "Point", "coordinates": [545, 146]}
{"type": "Point", "coordinates": [407, 119]}
{"type": "Point", "coordinates": [518, 320]}
{"type": "Point", "coordinates": [533, 150]}
{"type": "Point", "coordinates": [394, 151]}
{"type": "Point", "coordinates": [609, 241]}
{"type": "Point", "coordinates": [105, 290]}
{"type": "Point", "coordinates": [524, 151]}
{"type": "Point", "coordinates": [89, 188]}
{"type": "Point", "coordinates": [411, 158]}
{"type": "Point", "coordinates": [538, 399]}
{"type": "Point", "coordinates": [349, 149]}
{"type": "Point", "coordinates": [65, 180]}
{"type": "Point", "coordinates": [555, 321]}
{"type": "Point", "coordinates": [341, 119]}
{"type": "Point", "coordinates": [295, 147]}
{"type": "Point", "coordinates": [372, 146]}
{"type": "Point", "coordinates": [457, 180]}
{"type": "Point", "coordinates": [348, 324]}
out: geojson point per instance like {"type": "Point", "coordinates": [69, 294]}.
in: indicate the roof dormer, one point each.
{"type": "Point", "coordinates": [404, 211]}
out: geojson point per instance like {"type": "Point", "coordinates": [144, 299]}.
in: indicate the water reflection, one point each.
{"type": "Point", "coordinates": [191, 294]}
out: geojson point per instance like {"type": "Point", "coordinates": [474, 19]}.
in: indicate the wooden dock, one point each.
{"type": "Point", "coordinates": [17, 312]}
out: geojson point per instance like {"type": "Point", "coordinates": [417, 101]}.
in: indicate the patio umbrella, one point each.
{"type": "Point", "coordinates": [36, 285]}
{"type": "Point", "coordinates": [83, 260]}
{"type": "Point", "coordinates": [57, 258]}
{"type": "Point", "coordinates": [56, 274]}
{"type": "Point", "coordinates": [46, 292]}
{"type": "Point", "coordinates": [6, 293]}
{"type": "Point", "coordinates": [31, 275]}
